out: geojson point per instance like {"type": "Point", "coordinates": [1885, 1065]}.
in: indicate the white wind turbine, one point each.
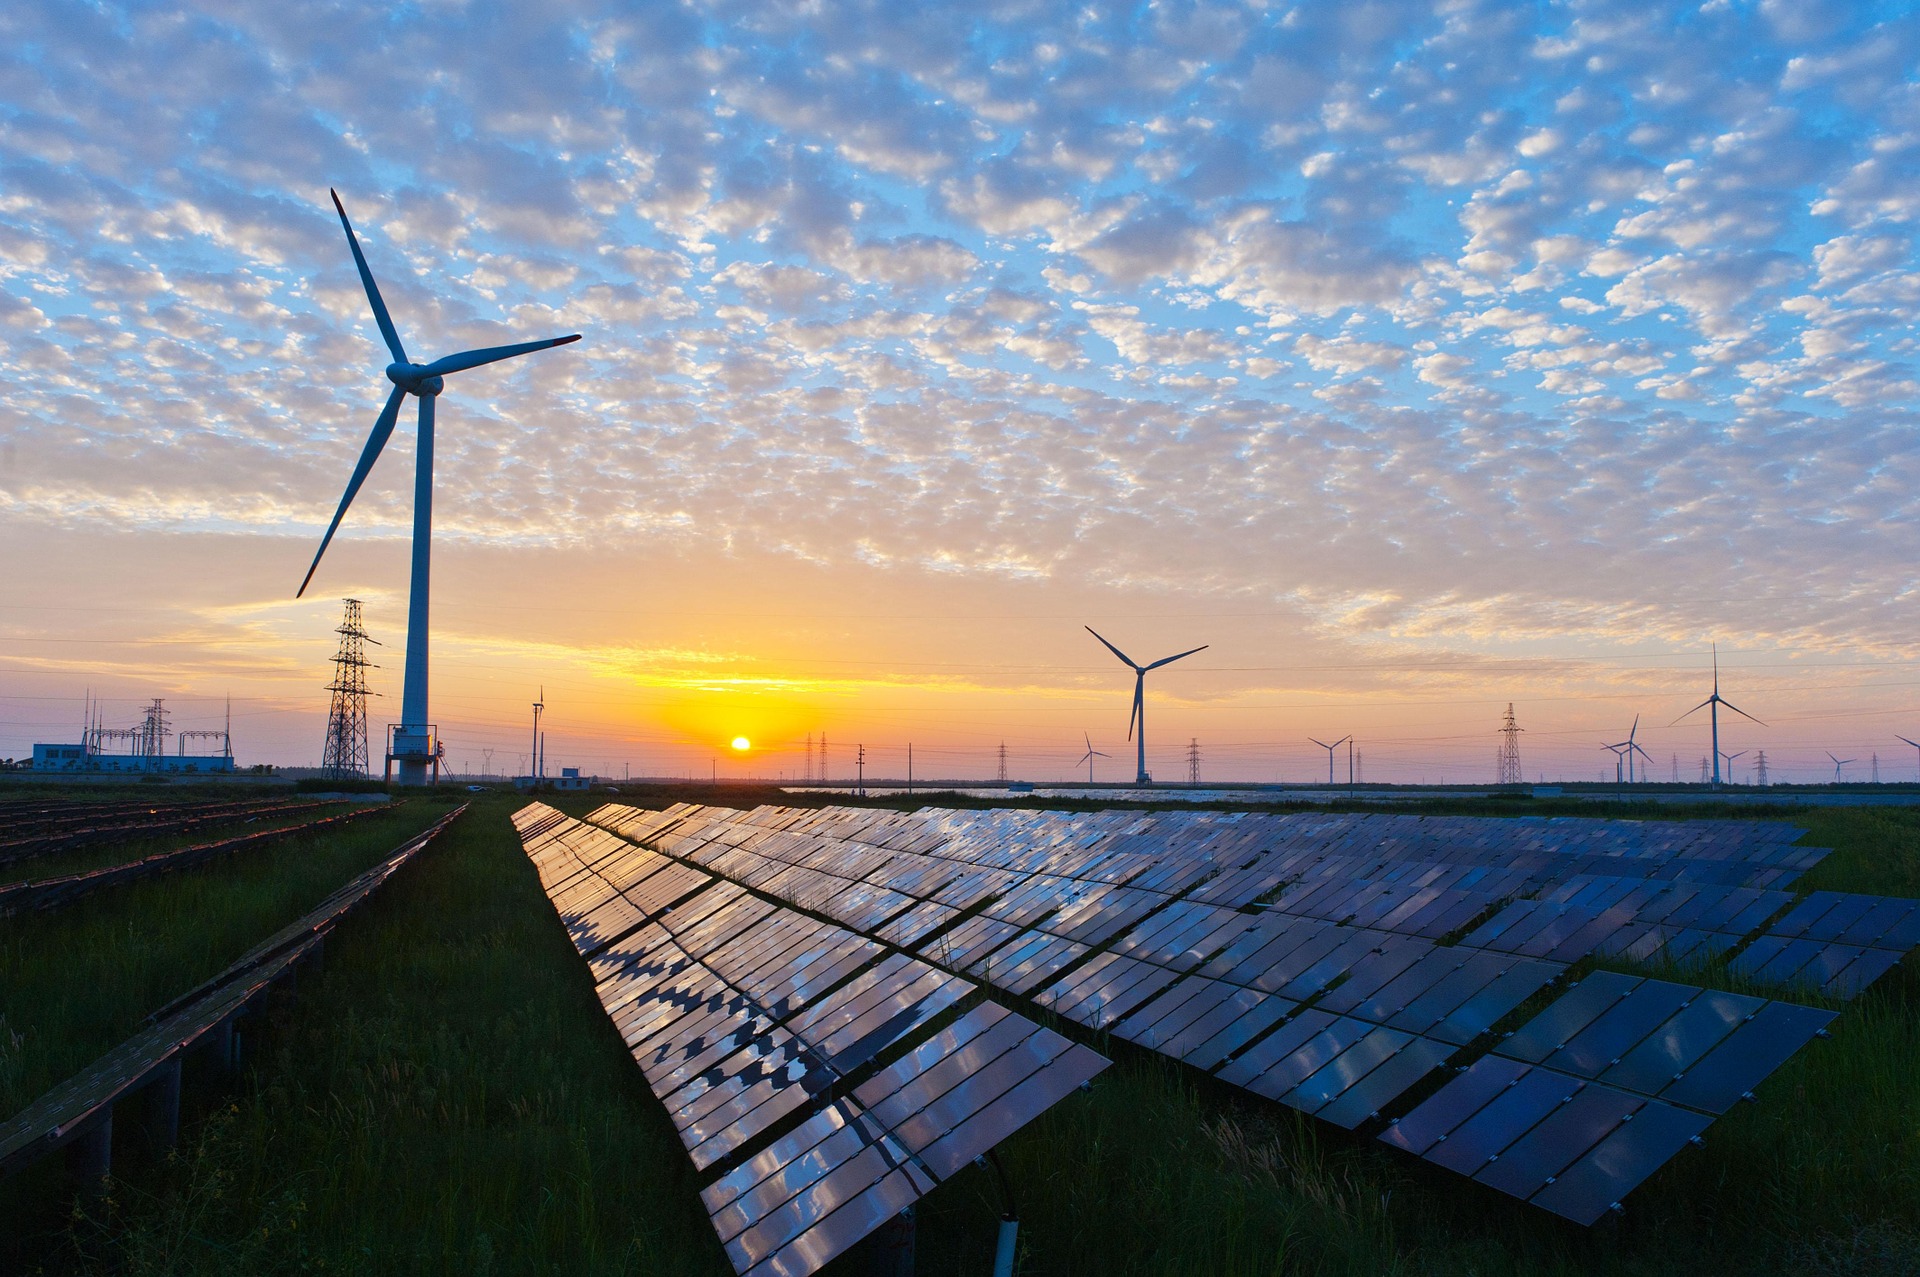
{"type": "Point", "coordinates": [413, 745]}
{"type": "Point", "coordinates": [1715, 701]}
{"type": "Point", "coordinates": [1139, 714]}
{"type": "Point", "coordinates": [1090, 755]}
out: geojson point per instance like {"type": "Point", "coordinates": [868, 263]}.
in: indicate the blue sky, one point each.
{"type": "Point", "coordinates": [1367, 340]}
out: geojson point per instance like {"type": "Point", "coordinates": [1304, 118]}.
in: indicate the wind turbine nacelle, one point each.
{"type": "Point", "coordinates": [413, 379]}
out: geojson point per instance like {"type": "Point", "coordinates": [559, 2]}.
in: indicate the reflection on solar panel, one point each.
{"type": "Point", "coordinates": [823, 1080]}
{"type": "Point", "coordinates": [1336, 963]}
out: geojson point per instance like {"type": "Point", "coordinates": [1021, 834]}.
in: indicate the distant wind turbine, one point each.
{"type": "Point", "coordinates": [1627, 749]}
{"type": "Point", "coordinates": [1838, 763]}
{"type": "Point", "coordinates": [1330, 748]}
{"type": "Point", "coordinates": [412, 745]}
{"type": "Point", "coordinates": [1090, 755]}
{"type": "Point", "coordinates": [1728, 760]}
{"type": "Point", "coordinates": [1139, 714]}
{"type": "Point", "coordinates": [1715, 701]}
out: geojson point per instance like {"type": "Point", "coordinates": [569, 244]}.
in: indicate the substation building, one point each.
{"type": "Point", "coordinates": [139, 749]}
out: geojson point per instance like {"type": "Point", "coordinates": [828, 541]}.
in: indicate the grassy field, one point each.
{"type": "Point", "coordinates": [450, 1098]}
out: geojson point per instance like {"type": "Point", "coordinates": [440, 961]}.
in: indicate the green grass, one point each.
{"type": "Point", "coordinates": [119, 852]}
{"type": "Point", "coordinates": [450, 1098]}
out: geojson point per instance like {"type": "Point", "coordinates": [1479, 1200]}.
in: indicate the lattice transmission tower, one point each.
{"type": "Point", "coordinates": [1510, 750]}
{"type": "Point", "coordinates": [1760, 769]}
{"type": "Point", "coordinates": [345, 756]}
{"type": "Point", "coordinates": [1003, 761]}
{"type": "Point", "coordinates": [1193, 761]}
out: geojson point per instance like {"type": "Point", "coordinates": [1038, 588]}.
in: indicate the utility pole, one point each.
{"type": "Point", "coordinates": [1510, 749]}
{"type": "Point", "coordinates": [539, 706]}
{"type": "Point", "coordinates": [809, 756]}
{"type": "Point", "coordinates": [860, 766]}
{"type": "Point", "coordinates": [909, 767]}
{"type": "Point", "coordinates": [1676, 768]}
{"type": "Point", "coordinates": [1349, 766]}
{"type": "Point", "coordinates": [825, 772]}
{"type": "Point", "coordinates": [1003, 763]}
{"type": "Point", "coordinates": [1876, 767]}
{"type": "Point", "coordinates": [1193, 761]}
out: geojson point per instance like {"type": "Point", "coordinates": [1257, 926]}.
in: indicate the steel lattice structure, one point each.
{"type": "Point", "coordinates": [345, 756]}
{"type": "Point", "coordinates": [1510, 749]}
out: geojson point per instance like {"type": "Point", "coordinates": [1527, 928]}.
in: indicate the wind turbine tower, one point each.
{"type": "Point", "coordinates": [1330, 748]}
{"type": "Point", "coordinates": [1713, 704]}
{"type": "Point", "coordinates": [1139, 714]}
{"type": "Point", "coordinates": [413, 745]}
{"type": "Point", "coordinates": [1086, 758]}
{"type": "Point", "coordinates": [1838, 763]}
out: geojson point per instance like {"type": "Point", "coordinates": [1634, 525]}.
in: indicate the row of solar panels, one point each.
{"type": "Point", "coordinates": [1343, 1021]}
{"type": "Point", "coordinates": [1557, 906]}
{"type": "Point", "coordinates": [824, 1081]}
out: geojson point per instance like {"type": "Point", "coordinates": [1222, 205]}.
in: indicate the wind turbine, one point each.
{"type": "Point", "coordinates": [1619, 751]}
{"type": "Point", "coordinates": [1728, 759]}
{"type": "Point", "coordinates": [1330, 748]}
{"type": "Point", "coordinates": [1838, 763]}
{"type": "Point", "coordinates": [412, 745]}
{"type": "Point", "coordinates": [1090, 755]}
{"type": "Point", "coordinates": [1140, 696]}
{"type": "Point", "coordinates": [1715, 701]}
{"type": "Point", "coordinates": [1915, 744]}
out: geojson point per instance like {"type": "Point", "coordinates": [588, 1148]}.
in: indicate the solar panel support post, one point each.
{"type": "Point", "coordinates": [892, 1246]}
{"type": "Point", "coordinates": [1006, 1245]}
{"type": "Point", "coordinates": [163, 1105]}
{"type": "Point", "coordinates": [90, 1156]}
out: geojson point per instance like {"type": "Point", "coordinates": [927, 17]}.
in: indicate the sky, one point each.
{"type": "Point", "coordinates": [1417, 358]}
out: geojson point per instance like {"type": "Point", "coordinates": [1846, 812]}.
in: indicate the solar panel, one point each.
{"type": "Point", "coordinates": [744, 1018]}
{"type": "Point", "coordinates": [1619, 1163]}
{"type": "Point", "coordinates": [1129, 923]}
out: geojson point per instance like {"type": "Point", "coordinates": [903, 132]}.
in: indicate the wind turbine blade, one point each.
{"type": "Point", "coordinates": [1125, 659]}
{"type": "Point", "coordinates": [493, 354]}
{"type": "Point", "coordinates": [1915, 744]}
{"type": "Point", "coordinates": [1635, 728]}
{"type": "Point", "coordinates": [1695, 710]}
{"type": "Point", "coordinates": [1643, 753]}
{"type": "Point", "coordinates": [382, 428]}
{"type": "Point", "coordinates": [1168, 660]}
{"type": "Point", "coordinates": [1322, 744]}
{"type": "Point", "coordinates": [380, 315]}
{"type": "Point", "coordinates": [1742, 713]}
{"type": "Point", "coordinates": [1829, 754]}
{"type": "Point", "coordinates": [1139, 694]}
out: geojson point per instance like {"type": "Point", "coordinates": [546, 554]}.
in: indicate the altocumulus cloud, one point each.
{"type": "Point", "coordinates": [1499, 318]}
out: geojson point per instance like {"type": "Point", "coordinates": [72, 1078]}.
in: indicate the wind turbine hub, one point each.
{"type": "Point", "coordinates": [414, 379]}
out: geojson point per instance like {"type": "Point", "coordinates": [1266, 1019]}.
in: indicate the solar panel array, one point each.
{"type": "Point", "coordinates": [823, 1080]}
{"type": "Point", "coordinates": [1409, 975]}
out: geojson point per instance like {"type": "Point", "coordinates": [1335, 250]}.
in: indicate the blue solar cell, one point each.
{"type": "Point", "coordinates": [1620, 1028]}
{"type": "Point", "coordinates": [1506, 1117]}
{"type": "Point", "coordinates": [1528, 1164]}
{"type": "Point", "coordinates": [1346, 1070]}
{"type": "Point", "coordinates": [1394, 1078]}
{"type": "Point", "coordinates": [1267, 1011]}
{"type": "Point", "coordinates": [1275, 1046]}
{"type": "Point", "coordinates": [1571, 1012]}
{"type": "Point", "coordinates": [1676, 1045]}
{"type": "Point", "coordinates": [1289, 1070]}
{"type": "Point", "coordinates": [1869, 966]}
{"type": "Point", "coordinates": [1618, 1164]}
{"type": "Point", "coordinates": [1746, 1056]}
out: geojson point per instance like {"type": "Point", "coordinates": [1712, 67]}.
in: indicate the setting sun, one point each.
{"type": "Point", "coordinates": [742, 744]}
